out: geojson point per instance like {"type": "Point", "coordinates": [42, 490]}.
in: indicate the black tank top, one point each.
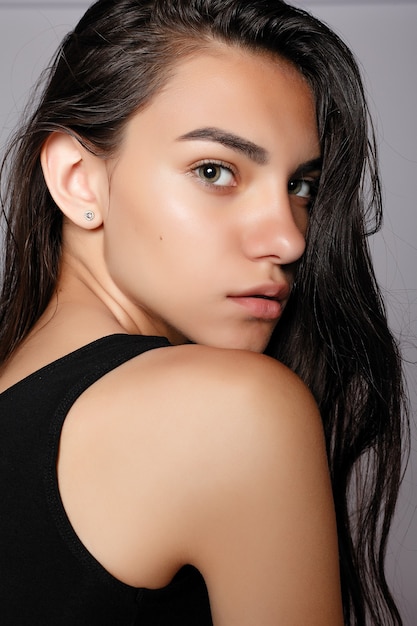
{"type": "Point", "coordinates": [47, 576]}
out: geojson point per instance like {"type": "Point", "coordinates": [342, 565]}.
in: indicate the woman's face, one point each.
{"type": "Point", "coordinates": [209, 200]}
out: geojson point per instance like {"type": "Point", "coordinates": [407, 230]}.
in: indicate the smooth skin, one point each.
{"type": "Point", "coordinates": [210, 454]}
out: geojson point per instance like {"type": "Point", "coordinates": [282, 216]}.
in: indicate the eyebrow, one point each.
{"type": "Point", "coordinates": [254, 152]}
{"type": "Point", "coordinates": [314, 165]}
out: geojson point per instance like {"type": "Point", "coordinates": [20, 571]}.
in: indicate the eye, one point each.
{"type": "Point", "coordinates": [216, 174]}
{"type": "Point", "coordinates": [302, 188]}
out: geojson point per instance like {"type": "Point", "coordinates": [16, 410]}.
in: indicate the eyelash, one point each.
{"type": "Point", "coordinates": [312, 192]}
{"type": "Point", "coordinates": [226, 167]}
{"type": "Point", "coordinates": [215, 165]}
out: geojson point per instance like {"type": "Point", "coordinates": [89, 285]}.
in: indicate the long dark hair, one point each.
{"type": "Point", "coordinates": [334, 332]}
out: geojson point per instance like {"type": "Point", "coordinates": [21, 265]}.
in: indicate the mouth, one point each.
{"type": "Point", "coordinates": [276, 293]}
{"type": "Point", "coordinates": [262, 297]}
{"type": "Point", "coordinates": [263, 303]}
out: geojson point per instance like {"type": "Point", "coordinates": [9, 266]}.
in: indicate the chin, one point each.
{"type": "Point", "coordinates": [250, 344]}
{"type": "Point", "coordinates": [252, 337]}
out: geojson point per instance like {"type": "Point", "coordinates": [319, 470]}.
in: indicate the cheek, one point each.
{"type": "Point", "coordinates": [133, 209]}
{"type": "Point", "coordinates": [159, 224]}
{"type": "Point", "coordinates": [302, 220]}
{"type": "Point", "coordinates": [145, 233]}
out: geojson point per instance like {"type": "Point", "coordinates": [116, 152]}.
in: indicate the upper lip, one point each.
{"type": "Point", "coordinates": [270, 291]}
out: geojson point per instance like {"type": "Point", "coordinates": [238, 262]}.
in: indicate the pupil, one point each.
{"type": "Point", "coordinates": [210, 172]}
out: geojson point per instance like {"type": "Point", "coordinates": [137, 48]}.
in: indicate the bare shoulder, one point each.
{"type": "Point", "coordinates": [213, 395]}
{"type": "Point", "coordinates": [250, 398]}
{"type": "Point", "coordinates": [192, 373]}
{"type": "Point", "coordinates": [236, 405]}
{"type": "Point", "coordinates": [200, 377]}
{"type": "Point", "coordinates": [222, 460]}
{"type": "Point", "coordinates": [256, 509]}
{"type": "Point", "coordinates": [210, 404]}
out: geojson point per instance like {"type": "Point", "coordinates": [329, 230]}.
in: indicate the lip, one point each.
{"type": "Point", "coordinates": [265, 302]}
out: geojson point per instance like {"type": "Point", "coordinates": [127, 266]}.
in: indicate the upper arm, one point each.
{"type": "Point", "coordinates": [260, 524]}
{"type": "Point", "coordinates": [214, 458]}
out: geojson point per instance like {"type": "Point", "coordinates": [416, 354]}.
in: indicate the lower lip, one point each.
{"type": "Point", "coordinates": [259, 308]}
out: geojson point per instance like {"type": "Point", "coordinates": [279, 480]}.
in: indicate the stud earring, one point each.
{"type": "Point", "coordinates": [89, 216]}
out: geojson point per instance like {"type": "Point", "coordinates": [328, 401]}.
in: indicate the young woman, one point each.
{"type": "Point", "coordinates": [201, 409]}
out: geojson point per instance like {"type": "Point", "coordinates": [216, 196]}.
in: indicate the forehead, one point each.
{"type": "Point", "coordinates": [234, 71]}
{"type": "Point", "coordinates": [251, 94]}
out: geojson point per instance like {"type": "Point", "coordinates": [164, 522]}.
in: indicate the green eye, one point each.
{"type": "Point", "coordinates": [301, 188]}
{"type": "Point", "coordinates": [210, 173]}
{"type": "Point", "coordinates": [215, 174]}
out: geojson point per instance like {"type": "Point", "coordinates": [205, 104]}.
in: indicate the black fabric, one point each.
{"type": "Point", "coordinates": [47, 576]}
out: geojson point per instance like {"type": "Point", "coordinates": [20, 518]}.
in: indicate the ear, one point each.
{"type": "Point", "coordinates": [76, 179]}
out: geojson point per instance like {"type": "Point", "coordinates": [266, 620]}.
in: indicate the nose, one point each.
{"type": "Point", "coordinates": [276, 229]}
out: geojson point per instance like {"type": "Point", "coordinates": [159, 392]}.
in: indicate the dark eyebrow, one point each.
{"type": "Point", "coordinates": [306, 168]}
{"type": "Point", "coordinates": [248, 148]}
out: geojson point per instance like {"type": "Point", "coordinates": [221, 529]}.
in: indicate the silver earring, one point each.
{"type": "Point", "coordinates": [89, 215]}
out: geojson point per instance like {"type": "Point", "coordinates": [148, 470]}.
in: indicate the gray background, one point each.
{"type": "Point", "coordinates": [382, 34]}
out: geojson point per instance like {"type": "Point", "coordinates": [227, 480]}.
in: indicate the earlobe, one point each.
{"type": "Point", "coordinates": [76, 179]}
